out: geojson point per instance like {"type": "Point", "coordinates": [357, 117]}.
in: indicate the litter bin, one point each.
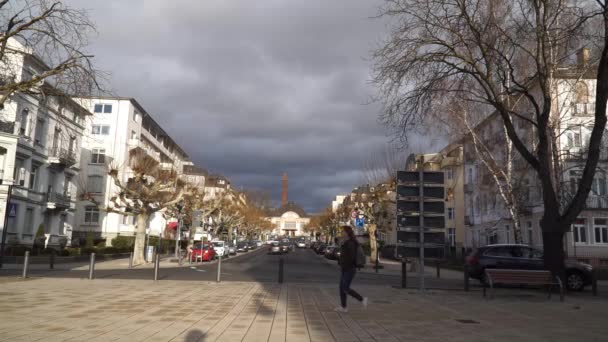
{"type": "Point", "coordinates": [150, 254]}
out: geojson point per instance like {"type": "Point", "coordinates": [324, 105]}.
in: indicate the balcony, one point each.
{"type": "Point", "coordinates": [61, 157]}
{"type": "Point", "coordinates": [56, 200]}
{"type": "Point", "coordinates": [580, 154]}
{"type": "Point", "coordinates": [166, 166]}
{"type": "Point", "coordinates": [469, 187]}
{"type": "Point", "coordinates": [135, 144]}
{"type": "Point", "coordinates": [597, 202]}
{"type": "Point", "coordinates": [583, 109]}
{"type": "Point", "coordinates": [451, 161]}
{"type": "Point", "coordinates": [7, 127]}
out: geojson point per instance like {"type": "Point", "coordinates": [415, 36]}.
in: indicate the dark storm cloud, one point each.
{"type": "Point", "coordinates": [252, 89]}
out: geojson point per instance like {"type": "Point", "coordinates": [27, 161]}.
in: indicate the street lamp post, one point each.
{"type": "Point", "coordinates": [5, 226]}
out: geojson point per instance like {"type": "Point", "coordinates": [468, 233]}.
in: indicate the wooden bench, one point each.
{"type": "Point", "coordinates": [522, 277]}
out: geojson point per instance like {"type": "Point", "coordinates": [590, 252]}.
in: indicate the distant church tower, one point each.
{"type": "Point", "coordinates": [284, 196]}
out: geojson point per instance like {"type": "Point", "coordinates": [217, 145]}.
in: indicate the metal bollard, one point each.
{"type": "Point", "coordinates": [403, 273]}
{"type": "Point", "coordinates": [281, 262]}
{"type": "Point", "coordinates": [52, 260]}
{"type": "Point", "coordinates": [594, 282]}
{"type": "Point", "coordinates": [466, 280]}
{"type": "Point", "coordinates": [26, 264]}
{"type": "Point", "coordinates": [219, 268]}
{"type": "Point", "coordinates": [131, 260]}
{"type": "Point", "coordinates": [438, 270]}
{"type": "Point", "coordinates": [92, 267]}
{"type": "Point", "coordinates": [156, 266]}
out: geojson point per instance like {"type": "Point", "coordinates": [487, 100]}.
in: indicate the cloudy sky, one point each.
{"type": "Point", "coordinates": [252, 89]}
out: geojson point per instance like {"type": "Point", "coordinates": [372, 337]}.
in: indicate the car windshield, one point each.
{"type": "Point", "coordinates": [198, 246]}
{"type": "Point", "coordinates": [218, 243]}
{"type": "Point", "coordinates": [275, 244]}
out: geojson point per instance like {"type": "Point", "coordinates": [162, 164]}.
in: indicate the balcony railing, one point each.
{"type": "Point", "coordinates": [583, 109]}
{"type": "Point", "coordinates": [62, 156]}
{"type": "Point", "coordinates": [597, 202]}
{"type": "Point", "coordinates": [7, 127]}
{"type": "Point", "coordinates": [138, 144]}
{"type": "Point", "coordinates": [581, 155]}
{"type": "Point", "coordinates": [56, 200]}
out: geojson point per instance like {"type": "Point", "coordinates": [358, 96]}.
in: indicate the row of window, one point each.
{"type": "Point", "coordinates": [92, 216]}
{"type": "Point", "coordinates": [20, 176]}
{"type": "Point", "coordinates": [599, 231]}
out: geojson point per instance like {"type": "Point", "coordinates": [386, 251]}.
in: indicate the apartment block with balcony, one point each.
{"type": "Point", "coordinates": [119, 126]}
{"type": "Point", "coordinates": [40, 140]}
{"type": "Point", "coordinates": [489, 220]}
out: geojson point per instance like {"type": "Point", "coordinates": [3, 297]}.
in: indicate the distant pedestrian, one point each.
{"type": "Point", "coordinates": [348, 265]}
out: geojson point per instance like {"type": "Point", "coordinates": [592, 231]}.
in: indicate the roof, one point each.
{"type": "Point", "coordinates": [290, 206]}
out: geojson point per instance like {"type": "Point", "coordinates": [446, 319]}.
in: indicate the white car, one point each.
{"type": "Point", "coordinates": [219, 247]}
{"type": "Point", "coordinates": [301, 244]}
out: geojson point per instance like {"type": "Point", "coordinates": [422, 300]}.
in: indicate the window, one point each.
{"type": "Point", "coordinates": [29, 224]}
{"type": "Point", "coordinates": [133, 135]}
{"type": "Point", "coordinates": [530, 233]}
{"type": "Point", "coordinates": [39, 133]}
{"type": "Point", "coordinates": [452, 236]}
{"type": "Point", "coordinates": [579, 231]}
{"type": "Point", "coordinates": [581, 92]}
{"type": "Point", "coordinates": [502, 251]}
{"type": "Point", "coordinates": [450, 213]}
{"type": "Point", "coordinates": [23, 129]}
{"type": "Point", "coordinates": [493, 239]}
{"type": "Point", "coordinates": [101, 129]}
{"type": "Point", "coordinates": [103, 108]}
{"type": "Point", "coordinates": [601, 230]}
{"type": "Point", "coordinates": [127, 219]}
{"type": "Point", "coordinates": [91, 215]}
{"type": "Point", "coordinates": [470, 176]}
{"type": "Point", "coordinates": [95, 184]}
{"type": "Point", "coordinates": [33, 178]}
{"type": "Point", "coordinates": [449, 173]}
{"type": "Point", "coordinates": [136, 116]}
{"type": "Point", "coordinates": [98, 156]}
{"type": "Point", "coordinates": [507, 233]}
{"type": "Point", "coordinates": [19, 172]}
{"type": "Point", "coordinates": [598, 186]}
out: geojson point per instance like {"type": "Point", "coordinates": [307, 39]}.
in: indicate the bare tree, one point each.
{"type": "Point", "coordinates": [150, 189]}
{"type": "Point", "coordinates": [54, 37]}
{"type": "Point", "coordinates": [493, 52]}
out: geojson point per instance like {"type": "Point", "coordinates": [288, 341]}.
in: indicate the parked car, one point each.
{"type": "Point", "coordinates": [512, 256]}
{"type": "Point", "coordinates": [231, 249]}
{"type": "Point", "coordinates": [252, 245]}
{"type": "Point", "coordinates": [258, 243]}
{"type": "Point", "coordinates": [320, 248]}
{"type": "Point", "coordinates": [330, 252]}
{"type": "Point", "coordinates": [207, 253]}
{"type": "Point", "coordinates": [313, 245]}
{"type": "Point", "coordinates": [301, 244]}
{"type": "Point", "coordinates": [219, 247]}
{"type": "Point", "coordinates": [275, 248]}
{"type": "Point", "coordinates": [242, 246]}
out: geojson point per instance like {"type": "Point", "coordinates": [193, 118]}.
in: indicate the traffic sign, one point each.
{"type": "Point", "coordinates": [12, 210]}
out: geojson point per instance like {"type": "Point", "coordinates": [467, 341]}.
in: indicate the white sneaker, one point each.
{"type": "Point", "coordinates": [365, 302]}
{"type": "Point", "coordinates": [341, 309]}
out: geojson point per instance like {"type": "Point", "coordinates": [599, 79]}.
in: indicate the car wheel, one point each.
{"type": "Point", "coordinates": [575, 281]}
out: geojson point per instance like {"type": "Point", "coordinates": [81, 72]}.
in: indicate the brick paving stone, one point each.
{"type": "Point", "coordinates": [135, 310]}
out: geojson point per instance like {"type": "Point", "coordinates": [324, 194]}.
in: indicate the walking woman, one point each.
{"type": "Point", "coordinates": [348, 265]}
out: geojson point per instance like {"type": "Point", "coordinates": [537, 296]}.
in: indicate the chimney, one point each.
{"type": "Point", "coordinates": [582, 57]}
{"type": "Point", "coordinates": [284, 196]}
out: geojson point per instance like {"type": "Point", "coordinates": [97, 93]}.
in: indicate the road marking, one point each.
{"type": "Point", "coordinates": [196, 269]}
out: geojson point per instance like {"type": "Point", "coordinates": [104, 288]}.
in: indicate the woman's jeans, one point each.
{"type": "Point", "coordinates": [345, 279]}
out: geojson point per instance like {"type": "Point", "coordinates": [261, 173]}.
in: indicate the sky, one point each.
{"type": "Point", "coordinates": [252, 89]}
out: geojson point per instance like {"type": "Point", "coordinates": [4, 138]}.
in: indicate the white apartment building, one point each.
{"type": "Point", "coordinates": [487, 217]}
{"type": "Point", "coordinates": [335, 204]}
{"type": "Point", "coordinates": [118, 126]}
{"type": "Point", "coordinates": [215, 185]}
{"type": "Point", "coordinates": [40, 140]}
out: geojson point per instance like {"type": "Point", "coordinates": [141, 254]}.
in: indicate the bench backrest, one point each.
{"type": "Point", "coordinates": [520, 276]}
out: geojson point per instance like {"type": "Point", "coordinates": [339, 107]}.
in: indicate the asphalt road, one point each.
{"type": "Point", "coordinates": [300, 266]}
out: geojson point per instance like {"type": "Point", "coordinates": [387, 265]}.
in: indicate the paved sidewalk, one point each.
{"type": "Point", "coordinates": [137, 310]}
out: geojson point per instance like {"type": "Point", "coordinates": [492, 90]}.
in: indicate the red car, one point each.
{"type": "Point", "coordinates": [206, 254]}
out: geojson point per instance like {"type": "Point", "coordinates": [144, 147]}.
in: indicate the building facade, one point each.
{"type": "Point", "coordinates": [40, 139]}
{"type": "Point", "coordinates": [119, 126]}
{"type": "Point", "coordinates": [289, 220]}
